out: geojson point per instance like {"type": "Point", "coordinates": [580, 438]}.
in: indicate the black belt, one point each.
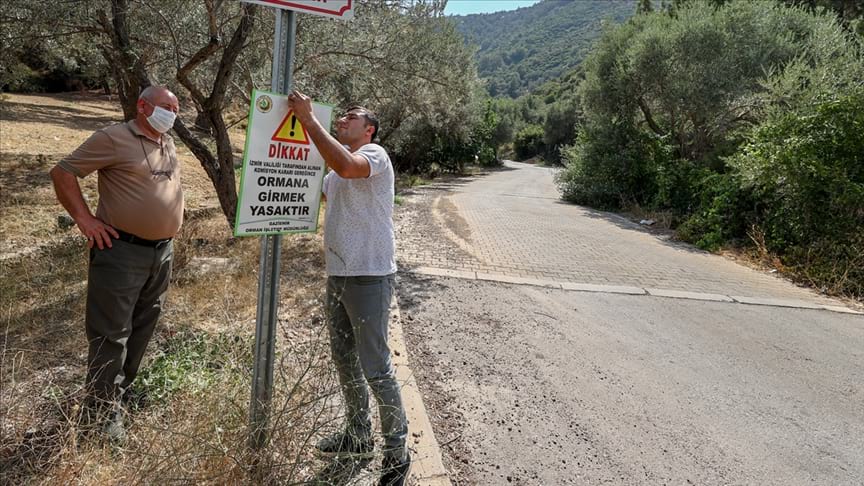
{"type": "Point", "coordinates": [135, 240]}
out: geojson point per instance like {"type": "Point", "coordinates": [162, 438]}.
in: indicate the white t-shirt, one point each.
{"type": "Point", "coordinates": [358, 226]}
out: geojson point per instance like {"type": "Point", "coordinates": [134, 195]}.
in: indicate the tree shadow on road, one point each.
{"type": "Point", "coordinates": [450, 182]}
{"type": "Point", "coordinates": [662, 236]}
{"type": "Point", "coordinates": [438, 186]}
{"type": "Point", "coordinates": [415, 289]}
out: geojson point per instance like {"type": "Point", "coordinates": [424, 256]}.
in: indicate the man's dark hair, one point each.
{"type": "Point", "coordinates": [369, 115]}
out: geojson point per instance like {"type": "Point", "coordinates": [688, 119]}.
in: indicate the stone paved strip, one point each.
{"type": "Point", "coordinates": [427, 468]}
{"type": "Point", "coordinates": [609, 289]}
{"type": "Point", "coordinates": [518, 280]}
{"type": "Point", "coordinates": [628, 290]}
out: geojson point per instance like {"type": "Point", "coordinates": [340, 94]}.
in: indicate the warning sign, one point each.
{"type": "Point", "coordinates": [280, 186]}
{"type": "Point", "coordinates": [291, 131]}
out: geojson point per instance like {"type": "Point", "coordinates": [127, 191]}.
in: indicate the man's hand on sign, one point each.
{"type": "Point", "coordinates": [301, 105]}
{"type": "Point", "coordinates": [97, 232]}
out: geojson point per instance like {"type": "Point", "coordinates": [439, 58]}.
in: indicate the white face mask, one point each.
{"type": "Point", "coordinates": [161, 120]}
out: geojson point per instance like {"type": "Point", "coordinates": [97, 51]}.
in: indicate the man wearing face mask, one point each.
{"type": "Point", "coordinates": [130, 239]}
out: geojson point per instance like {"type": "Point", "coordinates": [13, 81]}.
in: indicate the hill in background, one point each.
{"type": "Point", "coordinates": [521, 49]}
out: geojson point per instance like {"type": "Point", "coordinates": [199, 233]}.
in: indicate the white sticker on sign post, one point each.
{"type": "Point", "coordinates": [280, 186]}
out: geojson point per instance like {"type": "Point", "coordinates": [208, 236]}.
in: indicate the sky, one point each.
{"type": "Point", "coordinates": [465, 7]}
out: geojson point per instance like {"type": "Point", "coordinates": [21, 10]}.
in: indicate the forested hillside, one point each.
{"type": "Point", "coordinates": [521, 49]}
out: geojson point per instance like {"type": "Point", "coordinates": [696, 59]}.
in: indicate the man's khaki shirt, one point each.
{"type": "Point", "coordinates": [139, 180]}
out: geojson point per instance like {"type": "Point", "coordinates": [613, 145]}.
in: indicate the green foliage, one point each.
{"type": "Point", "coordinates": [554, 107]}
{"type": "Point", "coordinates": [799, 184]}
{"type": "Point", "coordinates": [609, 165]}
{"type": "Point", "coordinates": [695, 82]}
{"type": "Point", "coordinates": [520, 50]}
{"type": "Point", "coordinates": [808, 171]}
{"type": "Point", "coordinates": [663, 70]}
{"type": "Point", "coordinates": [483, 138]}
{"type": "Point", "coordinates": [189, 363]}
{"type": "Point", "coordinates": [528, 142]}
{"type": "Point", "coordinates": [428, 148]}
{"type": "Point", "coordinates": [723, 212]}
{"type": "Point", "coordinates": [559, 128]}
{"type": "Point", "coordinates": [39, 55]}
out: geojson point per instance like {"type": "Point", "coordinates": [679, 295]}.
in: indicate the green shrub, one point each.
{"type": "Point", "coordinates": [190, 362]}
{"type": "Point", "coordinates": [609, 166]}
{"type": "Point", "coordinates": [528, 142]}
{"type": "Point", "coordinates": [559, 129]}
{"type": "Point", "coordinates": [806, 170]}
{"type": "Point", "coordinates": [724, 212]}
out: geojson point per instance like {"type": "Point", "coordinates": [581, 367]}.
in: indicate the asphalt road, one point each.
{"type": "Point", "coordinates": [533, 385]}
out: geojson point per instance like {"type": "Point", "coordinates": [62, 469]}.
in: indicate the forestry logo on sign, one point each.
{"type": "Point", "coordinates": [264, 104]}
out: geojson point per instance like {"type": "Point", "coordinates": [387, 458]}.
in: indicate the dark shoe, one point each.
{"type": "Point", "coordinates": [346, 444]}
{"type": "Point", "coordinates": [394, 472]}
{"type": "Point", "coordinates": [114, 428]}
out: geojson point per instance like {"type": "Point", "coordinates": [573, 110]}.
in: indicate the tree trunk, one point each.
{"type": "Point", "coordinates": [127, 67]}
{"type": "Point", "coordinates": [225, 188]}
{"type": "Point", "coordinates": [202, 122]}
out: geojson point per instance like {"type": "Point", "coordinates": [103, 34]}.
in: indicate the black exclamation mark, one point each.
{"type": "Point", "coordinates": [293, 122]}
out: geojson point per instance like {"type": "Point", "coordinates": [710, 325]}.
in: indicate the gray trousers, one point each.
{"type": "Point", "coordinates": [358, 313]}
{"type": "Point", "coordinates": [126, 289]}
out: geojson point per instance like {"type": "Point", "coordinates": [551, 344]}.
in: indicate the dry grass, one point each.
{"type": "Point", "coordinates": [189, 422]}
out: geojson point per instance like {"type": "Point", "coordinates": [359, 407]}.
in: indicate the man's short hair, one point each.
{"type": "Point", "coordinates": [369, 115]}
{"type": "Point", "coordinates": [149, 92]}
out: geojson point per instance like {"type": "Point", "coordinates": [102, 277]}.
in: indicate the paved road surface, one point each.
{"type": "Point", "coordinates": [534, 385]}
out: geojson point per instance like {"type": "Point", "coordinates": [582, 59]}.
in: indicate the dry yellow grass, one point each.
{"type": "Point", "coordinates": [191, 428]}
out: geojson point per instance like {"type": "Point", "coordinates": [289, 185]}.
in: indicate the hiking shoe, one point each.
{"type": "Point", "coordinates": [114, 428]}
{"type": "Point", "coordinates": [394, 472]}
{"type": "Point", "coordinates": [346, 444]}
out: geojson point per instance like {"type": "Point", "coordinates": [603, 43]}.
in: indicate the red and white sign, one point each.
{"type": "Point", "coordinates": [337, 9]}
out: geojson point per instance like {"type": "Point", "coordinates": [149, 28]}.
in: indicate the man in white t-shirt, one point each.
{"type": "Point", "coordinates": [361, 266]}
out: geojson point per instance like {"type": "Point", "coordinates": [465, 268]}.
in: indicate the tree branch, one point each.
{"type": "Point", "coordinates": [183, 73]}
{"type": "Point", "coordinates": [229, 56]}
{"type": "Point", "coordinates": [648, 118]}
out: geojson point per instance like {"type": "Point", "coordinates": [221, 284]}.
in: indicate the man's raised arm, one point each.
{"type": "Point", "coordinates": [343, 162]}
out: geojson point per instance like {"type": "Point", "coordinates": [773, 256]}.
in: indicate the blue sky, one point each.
{"type": "Point", "coordinates": [465, 7]}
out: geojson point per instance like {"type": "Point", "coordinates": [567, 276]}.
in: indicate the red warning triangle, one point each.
{"type": "Point", "coordinates": [290, 130]}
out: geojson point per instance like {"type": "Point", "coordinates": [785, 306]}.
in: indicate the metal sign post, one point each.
{"type": "Point", "coordinates": [268, 273]}
{"type": "Point", "coordinates": [268, 278]}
